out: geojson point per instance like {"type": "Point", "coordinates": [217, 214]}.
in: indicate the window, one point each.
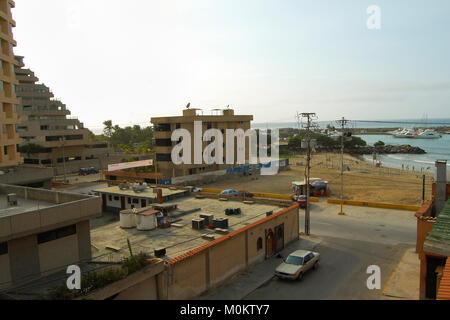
{"type": "Point", "coordinates": [116, 198]}
{"type": "Point", "coordinates": [3, 248]}
{"type": "Point", "coordinates": [129, 200]}
{"type": "Point", "coordinates": [110, 197]}
{"type": "Point", "coordinates": [259, 244]}
{"type": "Point", "coordinates": [164, 157]}
{"type": "Point", "coordinates": [178, 125]}
{"type": "Point", "coordinates": [57, 234]}
{"type": "Point", "coordinates": [135, 200]}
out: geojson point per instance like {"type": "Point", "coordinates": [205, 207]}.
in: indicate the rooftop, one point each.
{"type": "Point", "coordinates": [438, 240]}
{"type": "Point", "coordinates": [180, 237]}
{"type": "Point", "coordinates": [148, 193]}
{"type": "Point", "coordinates": [40, 210]}
{"type": "Point", "coordinates": [23, 206]}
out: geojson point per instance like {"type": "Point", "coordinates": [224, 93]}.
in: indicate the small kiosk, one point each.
{"type": "Point", "coordinates": [317, 187]}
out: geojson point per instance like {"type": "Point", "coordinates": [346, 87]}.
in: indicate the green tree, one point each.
{"type": "Point", "coordinates": [108, 130]}
{"type": "Point", "coordinates": [31, 148]}
{"type": "Point", "coordinates": [379, 144]}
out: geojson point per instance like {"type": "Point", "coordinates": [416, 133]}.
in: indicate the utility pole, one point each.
{"type": "Point", "coordinates": [309, 117]}
{"type": "Point", "coordinates": [342, 122]}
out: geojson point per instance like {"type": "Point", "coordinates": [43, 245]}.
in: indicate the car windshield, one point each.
{"type": "Point", "coordinates": [298, 261]}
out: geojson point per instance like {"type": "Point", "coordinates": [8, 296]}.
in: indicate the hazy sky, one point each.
{"type": "Point", "coordinates": [131, 60]}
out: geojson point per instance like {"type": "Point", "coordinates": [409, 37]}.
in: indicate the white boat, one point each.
{"type": "Point", "coordinates": [416, 134]}
{"type": "Point", "coordinates": [428, 134]}
{"type": "Point", "coordinates": [406, 133]}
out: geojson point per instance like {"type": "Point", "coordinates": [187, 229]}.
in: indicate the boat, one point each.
{"type": "Point", "coordinates": [416, 134]}
{"type": "Point", "coordinates": [428, 134]}
{"type": "Point", "coordinates": [406, 133]}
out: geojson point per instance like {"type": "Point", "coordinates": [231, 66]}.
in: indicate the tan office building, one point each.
{"type": "Point", "coordinates": [44, 121]}
{"type": "Point", "coordinates": [42, 232]}
{"type": "Point", "coordinates": [220, 119]}
{"type": "Point", "coordinates": [9, 139]}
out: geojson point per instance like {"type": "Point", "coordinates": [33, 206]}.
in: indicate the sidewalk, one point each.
{"type": "Point", "coordinates": [404, 281]}
{"type": "Point", "coordinates": [243, 284]}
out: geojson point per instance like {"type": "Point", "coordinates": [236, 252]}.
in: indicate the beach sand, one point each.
{"type": "Point", "coordinates": [364, 181]}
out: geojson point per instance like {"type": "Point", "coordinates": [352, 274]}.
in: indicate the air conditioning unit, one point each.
{"type": "Point", "coordinates": [198, 224]}
{"type": "Point", "coordinates": [208, 218]}
{"type": "Point", "coordinates": [160, 252]}
{"type": "Point", "coordinates": [11, 199]}
{"type": "Point", "coordinates": [220, 223]}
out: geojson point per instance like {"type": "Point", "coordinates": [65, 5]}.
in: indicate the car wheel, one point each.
{"type": "Point", "coordinates": [316, 265]}
{"type": "Point", "coordinates": [300, 276]}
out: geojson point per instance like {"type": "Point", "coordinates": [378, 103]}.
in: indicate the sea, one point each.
{"type": "Point", "coordinates": [437, 149]}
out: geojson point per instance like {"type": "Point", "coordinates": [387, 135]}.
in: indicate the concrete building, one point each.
{"type": "Point", "coordinates": [44, 121]}
{"type": "Point", "coordinates": [164, 126]}
{"type": "Point", "coordinates": [115, 199]}
{"type": "Point", "coordinates": [9, 139]}
{"type": "Point", "coordinates": [198, 260]}
{"type": "Point", "coordinates": [42, 232]}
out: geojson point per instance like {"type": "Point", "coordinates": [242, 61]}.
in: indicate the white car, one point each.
{"type": "Point", "coordinates": [296, 264]}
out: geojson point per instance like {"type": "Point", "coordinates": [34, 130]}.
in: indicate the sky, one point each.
{"type": "Point", "coordinates": [128, 61]}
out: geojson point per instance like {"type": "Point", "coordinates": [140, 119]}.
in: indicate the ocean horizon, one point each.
{"type": "Point", "coordinates": [376, 123]}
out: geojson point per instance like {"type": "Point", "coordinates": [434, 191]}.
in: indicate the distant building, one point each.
{"type": "Point", "coordinates": [11, 169]}
{"type": "Point", "coordinates": [9, 139]}
{"type": "Point", "coordinates": [164, 127]}
{"type": "Point", "coordinates": [115, 199]}
{"type": "Point", "coordinates": [42, 232]}
{"type": "Point", "coordinates": [44, 121]}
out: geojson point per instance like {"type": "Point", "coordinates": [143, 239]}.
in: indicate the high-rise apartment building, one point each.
{"type": "Point", "coordinates": [9, 139]}
{"type": "Point", "coordinates": [44, 122]}
{"type": "Point", "coordinates": [220, 119]}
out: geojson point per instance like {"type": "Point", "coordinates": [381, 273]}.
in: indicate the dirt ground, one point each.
{"type": "Point", "coordinates": [363, 181]}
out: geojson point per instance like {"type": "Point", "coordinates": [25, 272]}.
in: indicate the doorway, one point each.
{"type": "Point", "coordinates": [279, 238]}
{"type": "Point", "coordinates": [270, 243]}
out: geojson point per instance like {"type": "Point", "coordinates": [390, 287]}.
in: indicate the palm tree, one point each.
{"type": "Point", "coordinates": [108, 128]}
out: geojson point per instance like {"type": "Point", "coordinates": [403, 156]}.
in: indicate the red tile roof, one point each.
{"type": "Point", "coordinates": [444, 287]}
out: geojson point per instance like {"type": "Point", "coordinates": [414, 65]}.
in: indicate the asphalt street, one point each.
{"type": "Point", "coordinates": [348, 246]}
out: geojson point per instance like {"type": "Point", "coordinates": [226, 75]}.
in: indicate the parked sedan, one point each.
{"type": "Point", "coordinates": [229, 193]}
{"type": "Point", "coordinates": [296, 264]}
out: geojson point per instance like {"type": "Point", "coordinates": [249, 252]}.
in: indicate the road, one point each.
{"type": "Point", "coordinates": [348, 245]}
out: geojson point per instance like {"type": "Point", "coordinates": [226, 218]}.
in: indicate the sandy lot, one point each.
{"type": "Point", "coordinates": [363, 181]}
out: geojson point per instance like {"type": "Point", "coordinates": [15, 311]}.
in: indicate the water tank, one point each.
{"type": "Point", "coordinates": [146, 220]}
{"type": "Point", "coordinates": [127, 219]}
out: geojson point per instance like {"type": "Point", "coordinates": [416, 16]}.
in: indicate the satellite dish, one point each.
{"type": "Point", "coordinates": [228, 107]}
{"type": "Point", "coordinates": [188, 105]}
